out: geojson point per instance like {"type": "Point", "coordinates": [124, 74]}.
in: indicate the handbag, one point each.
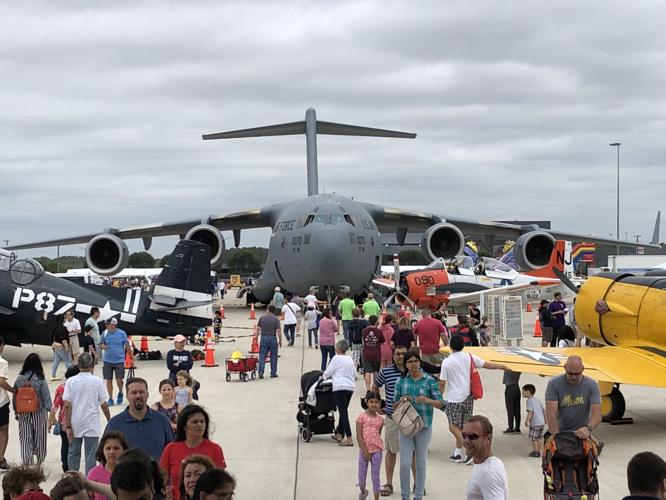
{"type": "Point", "coordinates": [56, 429]}
{"type": "Point", "coordinates": [475, 385]}
{"type": "Point", "coordinates": [407, 419]}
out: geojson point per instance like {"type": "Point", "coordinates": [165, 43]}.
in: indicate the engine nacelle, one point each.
{"type": "Point", "coordinates": [442, 240]}
{"type": "Point", "coordinates": [533, 250]}
{"type": "Point", "coordinates": [211, 237]}
{"type": "Point", "coordinates": [106, 255]}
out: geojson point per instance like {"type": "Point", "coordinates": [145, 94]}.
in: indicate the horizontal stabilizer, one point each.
{"type": "Point", "coordinates": [296, 128]}
{"type": "Point", "coordinates": [184, 304]}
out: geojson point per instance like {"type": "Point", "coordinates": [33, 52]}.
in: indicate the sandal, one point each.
{"type": "Point", "coordinates": [336, 437]}
{"type": "Point", "coordinates": [387, 490]}
{"type": "Point", "coordinates": [346, 442]}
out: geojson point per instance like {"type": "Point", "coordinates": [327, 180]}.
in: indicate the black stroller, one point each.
{"type": "Point", "coordinates": [315, 414]}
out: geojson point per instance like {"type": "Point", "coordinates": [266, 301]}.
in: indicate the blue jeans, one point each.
{"type": "Point", "coordinates": [268, 344]}
{"type": "Point", "coordinates": [290, 333]}
{"type": "Point", "coordinates": [58, 356]}
{"type": "Point", "coordinates": [417, 445]}
{"type": "Point", "coordinates": [74, 455]}
{"type": "Point", "coordinates": [345, 329]}
{"type": "Point", "coordinates": [327, 351]}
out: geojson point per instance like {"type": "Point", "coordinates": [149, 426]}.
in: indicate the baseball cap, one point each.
{"type": "Point", "coordinates": [111, 321]}
{"type": "Point", "coordinates": [179, 338]}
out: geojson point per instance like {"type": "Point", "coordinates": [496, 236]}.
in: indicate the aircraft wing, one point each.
{"type": "Point", "coordinates": [466, 298]}
{"type": "Point", "coordinates": [636, 365]}
{"type": "Point", "coordinates": [389, 220]}
{"type": "Point", "coordinates": [247, 219]}
{"type": "Point", "coordinates": [6, 312]}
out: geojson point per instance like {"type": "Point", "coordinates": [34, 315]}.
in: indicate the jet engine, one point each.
{"type": "Point", "coordinates": [442, 240]}
{"type": "Point", "coordinates": [533, 250]}
{"type": "Point", "coordinates": [210, 236]}
{"type": "Point", "coordinates": [106, 254]}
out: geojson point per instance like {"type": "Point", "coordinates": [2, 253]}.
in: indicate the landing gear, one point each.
{"type": "Point", "coordinates": [612, 405]}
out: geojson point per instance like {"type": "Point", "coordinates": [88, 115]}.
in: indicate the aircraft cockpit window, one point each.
{"type": "Point", "coordinates": [495, 265]}
{"type": "Point", "coordinates": [308, 220]}
{"type": "Point", "coordinates": [25, 271]}
{"type": "Point", "coordinates": [437, 264]}
{"type": "Point", "coordinates": [349, 220]}
{"type": "Point", "coordinates": [4, 263]}
{"type": "Point", "coordinates": [329, 219]}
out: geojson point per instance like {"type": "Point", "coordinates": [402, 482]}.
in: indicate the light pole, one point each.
{"type": "Point", "coordinates": [617, 220]}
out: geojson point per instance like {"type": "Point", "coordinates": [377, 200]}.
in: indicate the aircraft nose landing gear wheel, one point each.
{"type": "Point", "coordinates": [612, 406]}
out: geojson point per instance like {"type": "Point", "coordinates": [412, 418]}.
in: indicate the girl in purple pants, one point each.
{"type": "Point", "coordinates": [371, 447]}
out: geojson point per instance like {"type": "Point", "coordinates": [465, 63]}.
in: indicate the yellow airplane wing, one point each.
{"type": "Point", "coordinates": [636, 365]}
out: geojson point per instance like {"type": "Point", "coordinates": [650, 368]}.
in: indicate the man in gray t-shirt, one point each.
{"type": "Point", "coordinates": [268, 327]}
{"type": "Point", "coordinates": [573, 402]}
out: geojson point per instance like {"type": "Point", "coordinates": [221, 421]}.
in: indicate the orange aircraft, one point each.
{"type": "Point", "coordinates": [462, 281]}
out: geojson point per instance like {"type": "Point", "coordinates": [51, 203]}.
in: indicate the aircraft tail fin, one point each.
{"type": "Point", "coordinates": [655, 233]}
{"type": "Point", "coordinates": [310, 127]}
{"type": "Point", "coordinates": [560, 259]}
{"type": "Point", "coordinates": [187, 270]}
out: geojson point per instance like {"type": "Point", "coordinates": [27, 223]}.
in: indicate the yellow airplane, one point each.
{"type": "Point", "coordinates": [625, 313]}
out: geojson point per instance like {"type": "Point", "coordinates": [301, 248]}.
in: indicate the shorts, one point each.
{"type": "Point", "coordinates": [536, 433]}
{"type": "Point", "coordinates": [391, 436]}
{"type": "Point", "coordinates": [459, 413]}
{"type": "Point", "coordinates": [74, 343]}
{"type": "Point", "coordinates": [370, 366]}
{"type": "Point", "coordinates": [110, 368]}
{"type": "Point", "coordinates": [546, 334]}
{"type": "Point", "coordinates": [4, 415]}
{"type": "Point", "coordinates": [434, 359]}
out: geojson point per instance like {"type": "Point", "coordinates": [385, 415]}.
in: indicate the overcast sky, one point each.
{"type": "Point", "coordinates": [514, 103]}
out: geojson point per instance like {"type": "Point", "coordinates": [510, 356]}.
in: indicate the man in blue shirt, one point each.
{"type": "Point", "coordinates": [144, 428]}
{"type": "Point", "coordinates": [114, 344]}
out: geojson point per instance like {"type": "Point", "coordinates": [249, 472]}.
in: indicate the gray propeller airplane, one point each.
{"type": "Point", "coordinates": [325, 241]}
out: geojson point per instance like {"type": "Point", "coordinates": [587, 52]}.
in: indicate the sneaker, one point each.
{"type": "Point", "coordinates": [4, 466]}
{"type": "Point", "coordinates": [261, 376]}
{"type": "Point", "coordinates": [120, 398]}
{"type": "Point", "coordinates": [534, 454]}
{"type": "Point", "coordinates": [507, 431]}
{"type": "Point", "coordinates": [516, 431]}
{"type": "Point", "coordinates": [110, 402]}
{"type": "Point", "coordinates": [455, 458]}
{"type": "Point", "coordinates": [274, 376]}
{"type": "Point", "coordinates": [468, 460]}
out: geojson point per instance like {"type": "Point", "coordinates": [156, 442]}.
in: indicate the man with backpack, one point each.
{"type": "Point", "coordinates": [466, 331]}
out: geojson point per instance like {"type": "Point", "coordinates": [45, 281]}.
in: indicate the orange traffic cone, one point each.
{"type": "Point", "coordinates": [209, 333]}
{"type": "Point", "coordinates": [209, 362]}
{"type": "Point", "coordinates": [222, 311]}
{"type": "Point", "coordinates": [253, 315]}
{"type": "Point", "coordinates": [129, 361]}
{"type": "Point", "coordinates": [254, 346]}
{"type": "Point", "coordinates": [144, 344]}
{"type": "Point", "coordinates": [529, 307]}
{"type": "Point", "coordinates": [537, 328]}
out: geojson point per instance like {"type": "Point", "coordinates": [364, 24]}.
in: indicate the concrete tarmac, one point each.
{"type": "Point", "coordinates": [255, 423]}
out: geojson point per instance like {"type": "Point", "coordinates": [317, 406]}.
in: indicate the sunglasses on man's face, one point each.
{"type": "Point", "coordinates": [472, 436]}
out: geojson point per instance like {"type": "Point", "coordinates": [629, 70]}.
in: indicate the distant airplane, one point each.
{"type": "Point", "coordinates": [461, 281]}
{"type": "Point", "coordinates": [325, 240]}
{"type": "Point", "coordinates": [178, 303]}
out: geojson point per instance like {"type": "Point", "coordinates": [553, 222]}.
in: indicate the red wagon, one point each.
{"type": "Point", "coordinates": [243, 366]}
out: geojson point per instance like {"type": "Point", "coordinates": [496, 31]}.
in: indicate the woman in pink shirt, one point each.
{"type": "Point", "coordinates": [388, 330]}
{"type": "Point", "coordinates": [328, 327]}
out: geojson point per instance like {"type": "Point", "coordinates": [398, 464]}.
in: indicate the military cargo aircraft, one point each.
{"type": "Point", "coordinates": [325, 241]}
{"type": "Point", "coordinates": [178, 303]}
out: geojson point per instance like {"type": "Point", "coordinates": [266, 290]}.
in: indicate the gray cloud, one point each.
{"type": "Point", "coordinates": [514, 106]}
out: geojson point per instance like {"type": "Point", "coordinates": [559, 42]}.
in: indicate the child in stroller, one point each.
{"type": "Point", "coordinates": [316, 406]}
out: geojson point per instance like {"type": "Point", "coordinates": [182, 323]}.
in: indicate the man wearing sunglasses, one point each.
{"type": "Point", "coordinates": [573, 402]}
{"type": "Point", "coordinates": [488, 480]}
